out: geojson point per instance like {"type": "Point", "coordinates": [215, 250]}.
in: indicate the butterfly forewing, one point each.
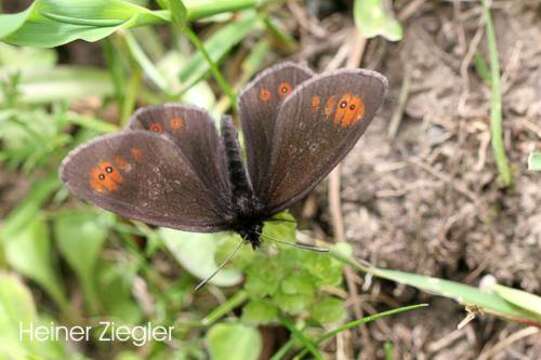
{"type": "Point", "coordinates": [258, 107]}
{"type": "Point", "coordinates": [144, 176]}
{"type": "Point", "coordinates": [193, 130]}
{"type": "Point", "coordinates": [316, 127]}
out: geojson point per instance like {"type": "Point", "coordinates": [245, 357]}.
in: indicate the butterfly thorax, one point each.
{"type": "Point", "coordinates": [245, 204]}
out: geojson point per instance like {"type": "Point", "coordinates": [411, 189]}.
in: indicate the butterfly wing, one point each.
{"type": "Point", "coordinates": [144, 176]}
{"type": "Point", "coordinates": [192, 129]}
{"type": "Point", "coordinates": [258, 109]}
{"type": "Point", "coordinates": [316, 126]}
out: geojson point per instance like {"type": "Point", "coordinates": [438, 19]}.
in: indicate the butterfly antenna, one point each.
{"type": "Point", "coordinates": [224, 263]}
{"type": "Point", "coordinates": [296, 244]}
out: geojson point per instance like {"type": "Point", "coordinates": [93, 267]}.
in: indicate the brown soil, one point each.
{"type": "Point", "coordinates": [429, 200]}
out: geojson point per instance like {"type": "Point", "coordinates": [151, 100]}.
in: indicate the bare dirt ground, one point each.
{"type": "Point", "coordinates": [428, 200]}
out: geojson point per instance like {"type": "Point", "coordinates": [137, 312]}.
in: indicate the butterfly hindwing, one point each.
{"type": "Point", "coordinates": [193, 130]}
{"type": "Point", "coordinates": [258, 108]}
{"type": "Point", "coordinates": [317, 125]}
{"type": "Point", "coordinates": [143, 176]}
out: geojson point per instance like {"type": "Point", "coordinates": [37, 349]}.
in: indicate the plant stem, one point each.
{"type": "Point", "coordinates": [307, 343]}
{"type": "Point", "coordinates": [233, 302]}
{"type": "Point", "coordinates": [203, 9]}
{"type": "Point", "coordinates": [496, 101]}
{"type": "Point", "coordinates": [224, 85]}
{"type": "Point", "coordinates": [364, 320]}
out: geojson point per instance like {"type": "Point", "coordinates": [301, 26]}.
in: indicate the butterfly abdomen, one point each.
{"type": "Point", "coordinates": [243, 195]}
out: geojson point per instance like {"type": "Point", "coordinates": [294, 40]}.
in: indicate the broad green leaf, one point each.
{"type": "Point", "coordinates": [80, 236]}
{"type": "Point", "coordinates": [17, 315]}
{"type": "Point", "coordinates": [373, 18]}
{"type": "Point", "coordinates": [196, 253]}
{"type": "Point", "coordinates": [218, 45]}
{"type": "Point", "coordinates": [534, 161]}
{"type": "Point", "coordinates": [281, 227]}
{"type": "Point", "coordinates": [293, 304]}
{"type": "Point", "coordinates": [234, 341]}
{"type": "Point", "coordinates": [259, 312]}
{"type": "Point", "coordinates": [463, 294]}
{"type": "Point", "coordinates": [50, 23]}
{"type": "Point", "coordinates": [16, 309]}
{"type": "Point", "coordinates": [329, 310]}
{"type": "Point", "coordinates": [28, 251]}
{"type": "Point", "coordinates": [520, 298]}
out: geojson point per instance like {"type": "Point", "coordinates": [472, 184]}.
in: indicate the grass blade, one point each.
{"type": "Point", "coordinates": [496, 101]}
{"type": "Point", "coordinates": [463, 294]}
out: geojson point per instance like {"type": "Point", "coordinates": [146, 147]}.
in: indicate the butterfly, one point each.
{"type": "Point", "coordinates": [171, 166]}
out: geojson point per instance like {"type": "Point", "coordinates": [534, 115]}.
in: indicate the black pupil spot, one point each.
{"type": "Point", "coordinates": [352, 107]}
{"type": "Point", "coordinates": [343, 104]}
{"type": "Point", "coordinates": [109, 169]}
{"type": "Point", "coordinates": [101, 177]}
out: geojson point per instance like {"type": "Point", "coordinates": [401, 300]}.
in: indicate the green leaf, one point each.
{"type": "Point", "coordinates": [283, 227]}
{"type": "Point", "coordinates": [293, 304]}
{"type": "Point", "coordinates": [16, 309]}
{"type": "Point", "coordinates": [179, 13]}
{"type": "Point", "coordinates": [196, 253]}
{"type": "Point", "coordinates": [234, 341]}
{"type": "Point", "coordinates": [80, 236]}
{"type": "Point", "coordinates": [217, 45]}
{"type": "Point", "coordinates": [263, 276]}
{"type": "Point", "coordinates": [373, 18]}
{"type": "Point", "coordinates": [298, 283]}
{"type": "Point", "coordinates": [328, 310]}
{"type": "Point", "coordinates": [145, 63]}
{"type": "Point", "coordinates": [259, 312]}
{"type": "Point", "coordinates": [519, 298]}
{"type": "Point", "coordinates": [50, 23]}
{"type": "Point", "coordinates": [29, 252]}
{"type": "Point", "coordinates": [534, 161]}
{"type": "Point", "coordinates": [463, 294]}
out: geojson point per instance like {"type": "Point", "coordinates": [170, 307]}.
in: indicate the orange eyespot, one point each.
{"type": "Point", "coordinates": [104, 177]}
{"type": "Point", "coordinates": [176, 122]}
{"type": "Point", "coordinates": [315, 103]}
{"type": "Point", "coordinates": [156, 127]}
{"type": "Point", "coordinates": [284, 89]}
{"type": "Point", "coordinates": [265, 95]}
{"type": "Point", "coordinates": [350, 110]}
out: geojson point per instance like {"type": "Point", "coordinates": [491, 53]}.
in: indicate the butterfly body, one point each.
{"type": "Point", "coordinates": [172, 167]}
{"type": "Point", "coordinates": [248, 209]}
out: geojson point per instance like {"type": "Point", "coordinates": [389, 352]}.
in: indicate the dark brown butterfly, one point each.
{"type": "Point", "coordinates": [172, 168]}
